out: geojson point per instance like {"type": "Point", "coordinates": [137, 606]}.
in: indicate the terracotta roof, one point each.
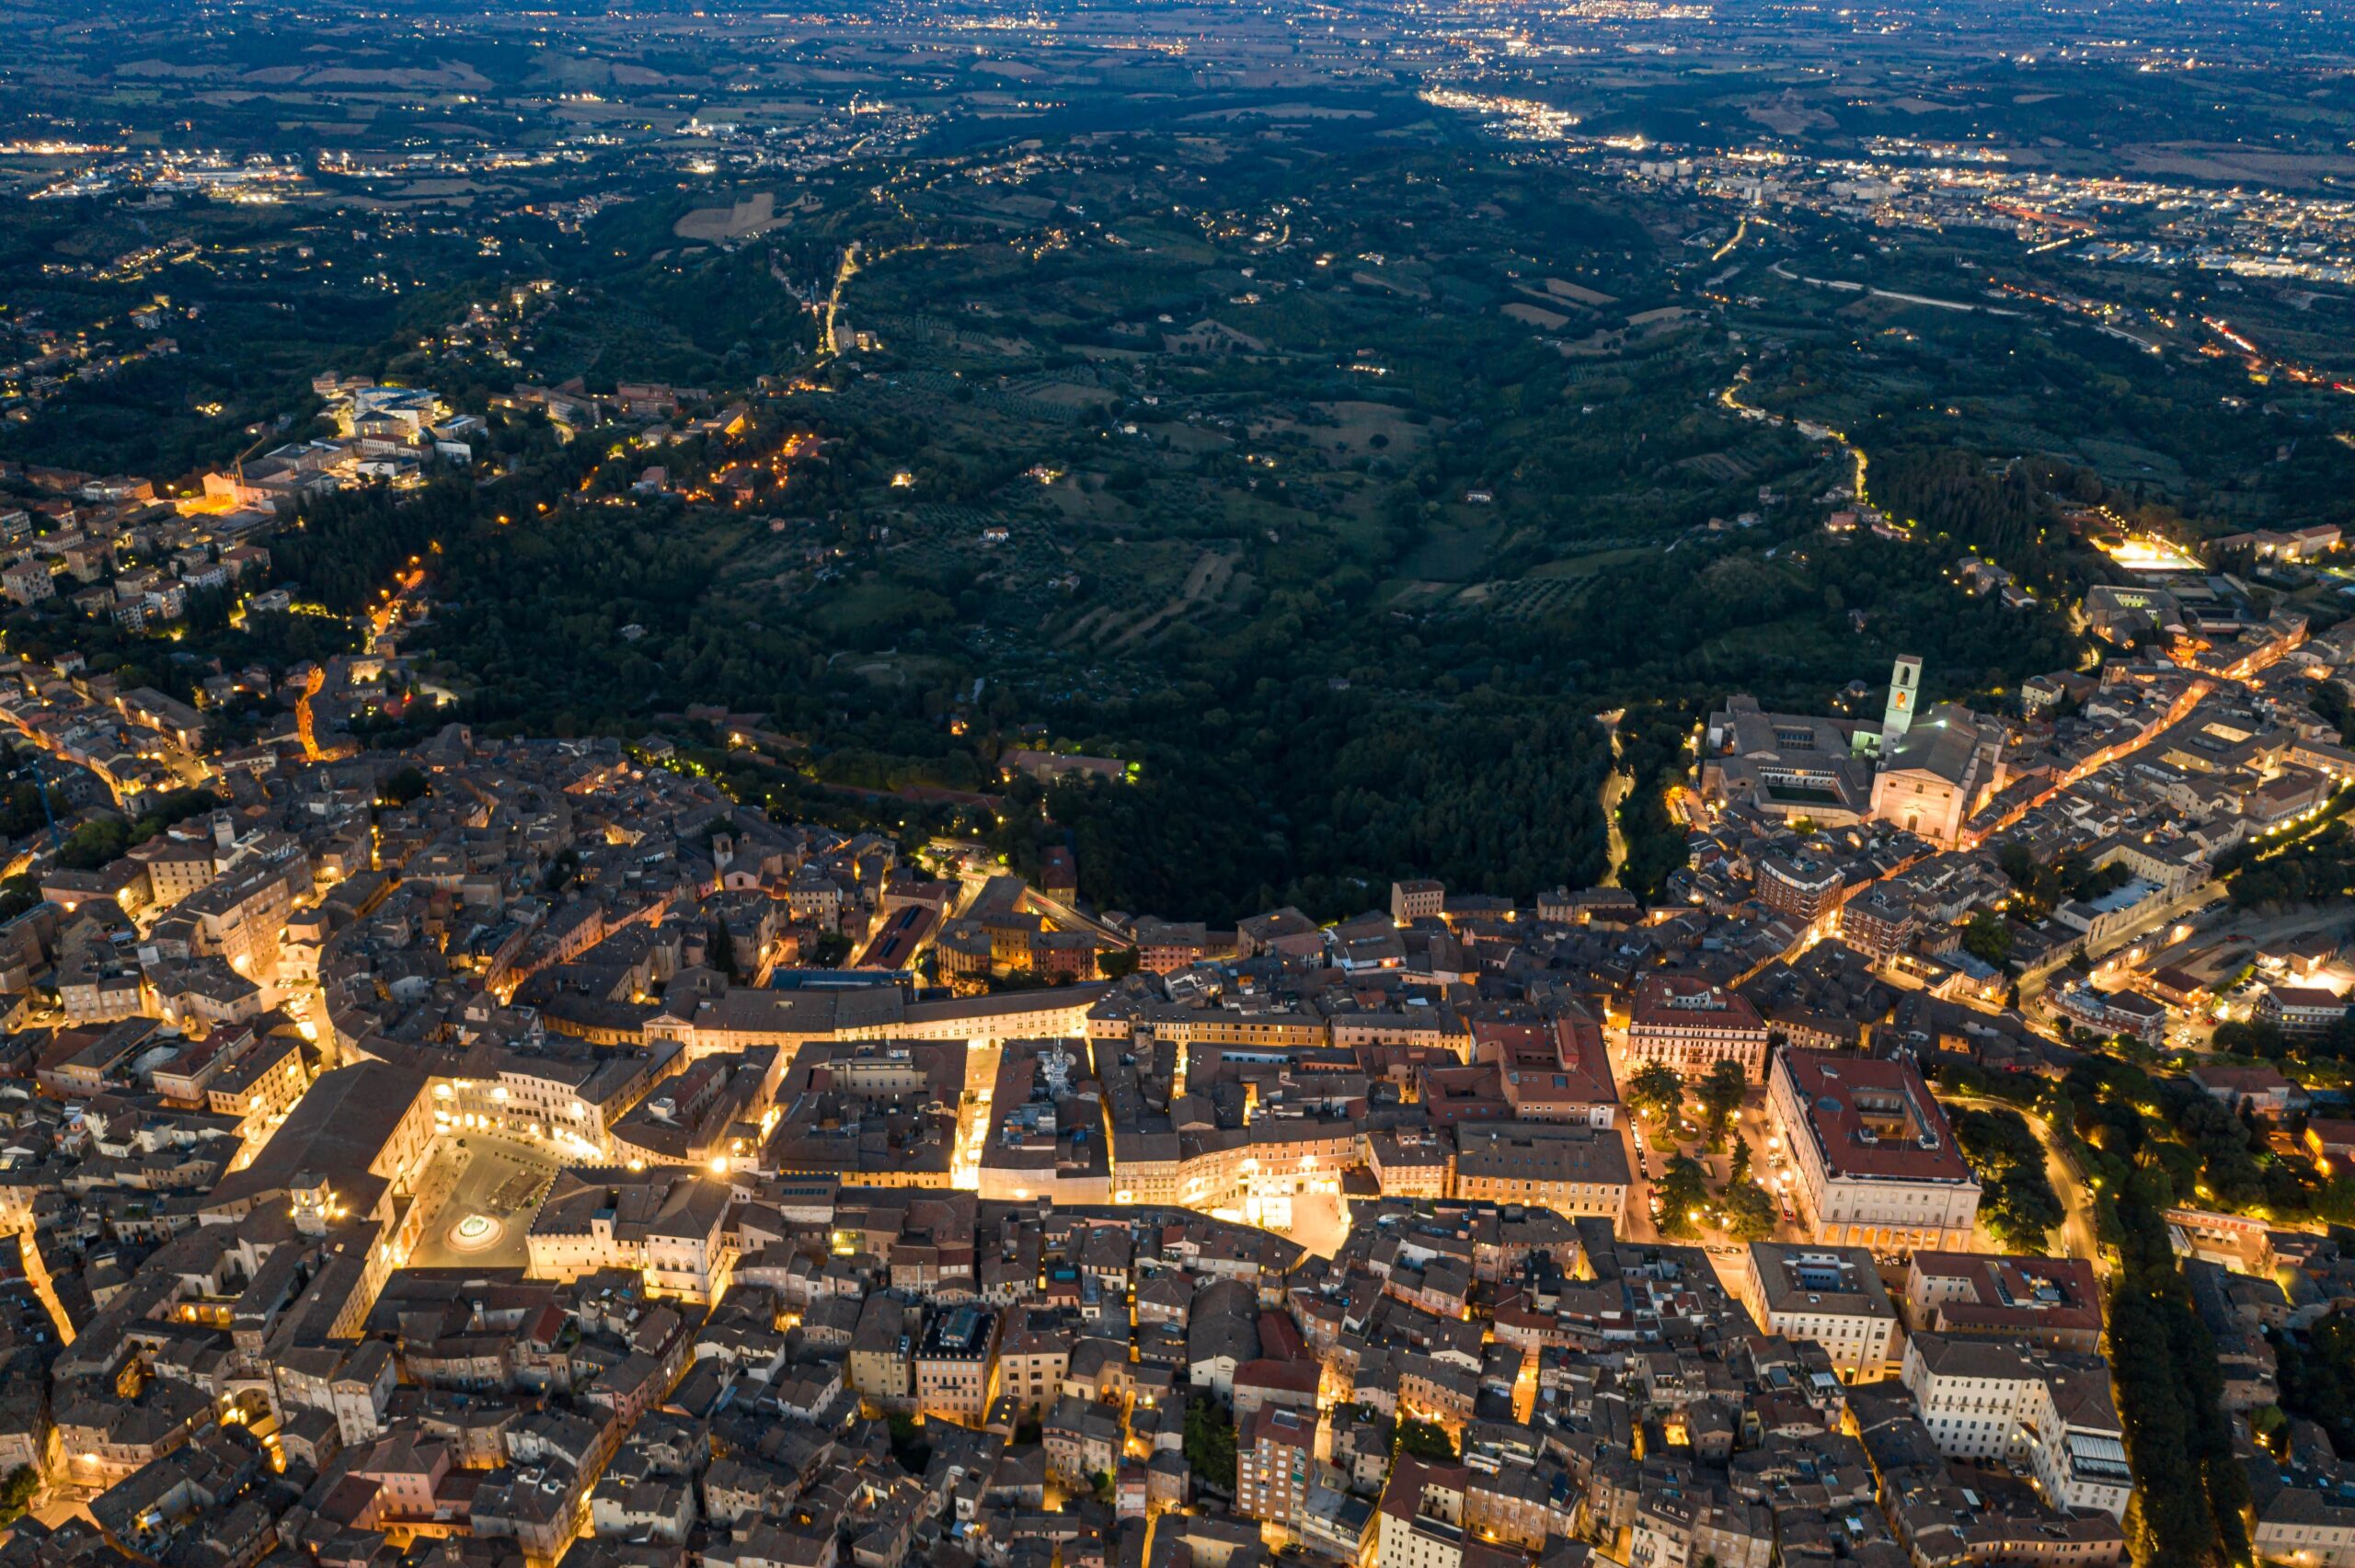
{"type": "Point", "coordinates": [1282, 1424]}
{"type": "Point", "coordinates": [1285, 1376]}
{"type": "Point", "coordinates": [1686, 1001]}
{"type": "Point", "coordinates": [1849, 1103]}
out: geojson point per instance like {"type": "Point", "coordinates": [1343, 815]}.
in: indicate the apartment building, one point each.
{"type": "Point", "coordinates": [2311, 1526]}
{"type": "Point", "coordinates": [1417, 900]}
{"type": "Point", "coordinates": [1569, 1167]}
{"type": "Point", "coordinates": [953, 1365]}
{"type": "Point", "coordinates": [239, 916]}
{"type": "Point", "coordinates": [1690, 1025]}
{"type": "Point", "coordinates": [1033, 1354]}
{"type": "Point", "coordinates": [2047, 1414]}
{"type": "Point", "coordinates": [1800, 887]}
{"type": "Point", "coordinates": [177, 867]}
{"type": "Point", "coordinates": [883, 1353]}
{"type": "Point", "coordinates": [1832, 1295]}
{"type": "Point", "coordinates": [1419, 1521]}
{"type": "Point", "coordinates": [1692, 1527]}
{"type": "Point", "coordinates": [1881, 925]}
{"type": "Point", "coordinates": [1272, 1464]}
{"type": "Point", "coordinates": [261, 1084]}
{"type": "Point", "coordinates": [2051, 1302]}
{"type": "Point", "coordinates": [1083, 1441]}
{"type": "Point", "coordinates": [666, 1225]}
{"type": "Point", "coordinates": [1515, 1504]}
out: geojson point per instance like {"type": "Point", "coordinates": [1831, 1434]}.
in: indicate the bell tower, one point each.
{"type": "Point", "coordinates": [1904, 692]}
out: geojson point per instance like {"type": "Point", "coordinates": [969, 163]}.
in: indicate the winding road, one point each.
{"type": "Point", "coordinates": [2078, 1237]}
{"type": "Point", "coordinates": [1616, 785]}
{"type": "Point", "coordinates": [1728, 398]}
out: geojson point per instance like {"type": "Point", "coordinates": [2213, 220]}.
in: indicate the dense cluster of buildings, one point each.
{"type": "Point", "coordinates": [1938, 186]}
{"type": "Point", "coordinates": [517, 1149]}
{"type": "Point", "coordinates": [2126, 787]}
{"type": "Point", "coordinates": [515, 1153]}
{"type": "Point", "coordinates": [119, 550]}
{"type": "Point", "coordinates": [1907, 183]}
{"type": "Point", "coordinates": [393, 435]}
{"type": "Point", "coordinates": [114, 548]}
{"type": "Point", "coordinates": [464, 1153]}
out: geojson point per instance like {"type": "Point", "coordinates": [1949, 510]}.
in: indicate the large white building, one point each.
{"type": "Point", "coordinates": [1691, 1025]}
{"type": "Point", "coordinates": [2049, 1415]}
{"type": "Point", "coordinates": [1831, 1295]}
{"type": "Point", "coordinates": [1934, 775]}
{"type": "Point", "coordinates": [1875, 1164]}
{"type": "Point", "coordinates": [2306, 1525]}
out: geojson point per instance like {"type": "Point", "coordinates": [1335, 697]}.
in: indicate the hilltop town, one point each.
{"type": "Point", "coordinates": [519, 1148]}
{"type": "Point", "coordinates": [483, 1147]}
{"type": "Point", "coordinates": [434, 1142]}
{"type": "Point", "coordinates": [492, 1174]}
{"type": "Point", "coordinates": [1176, 787]}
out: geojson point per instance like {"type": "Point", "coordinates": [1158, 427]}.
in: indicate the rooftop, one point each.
{"type": "Point", "coordinates": [1872, 1118]}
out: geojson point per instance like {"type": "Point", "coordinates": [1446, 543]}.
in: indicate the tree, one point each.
{"type": "Point", "coordinates": [1684, 1190]}
{"type": "Point", "coordinates": [94, 844]}
{"type": "Point", "coordinates": [17, 894]}
{"type": "Point", "coordinates": [2317, 1372]}
{"type": "Point", "coordinates": [1988, 938]}
{"type": "Point", "coordinates": [908, 1446]}
{"type": "Point", "coordinates": [1720, 1094]}
{"type": "Point", "coordinates": [16, 1493]}
{"type": "Point", "coordinates": [2022, 1210]}
{"type": "Point", "coordinates": [1116, 963]}
{"type": "Point", "coordinates": [1750, 1212]}
{"type": "Point", "coordinates": [2018, 1204]}
{"type": "Point", "coordinates": [1996, 1140]}
{"type": "Point", "coordinates": [2191, 1492]}
{"type": "Point", "coordinates": [2255, 1038]}
{"type": "Point", "coordinates": [1656, 1090]}
{"type": "Point", "coordinates": [1424, 1441]}
{"type": "Point", "coordinates": [1208, 1442]}
{"type": "Point", "coordinates": [406, 786]}
{"type": "Point", "coordinates": [103, 840]}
